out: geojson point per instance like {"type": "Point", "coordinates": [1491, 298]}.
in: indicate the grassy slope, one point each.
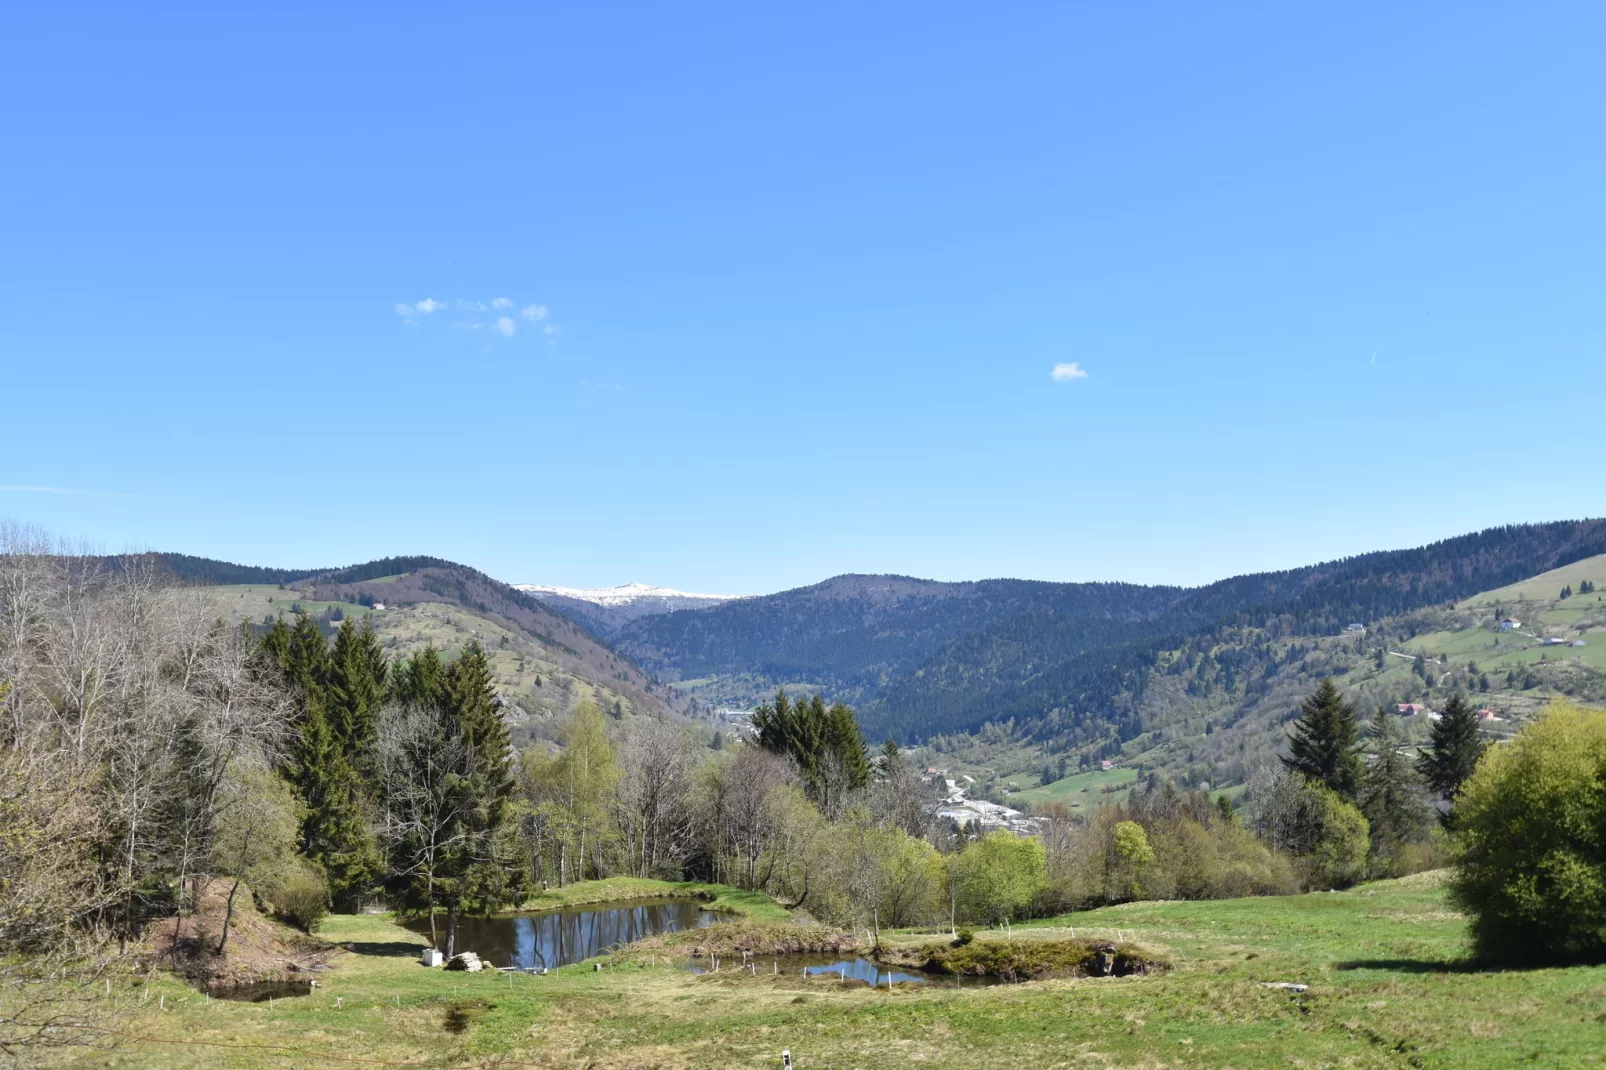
{"type": "Point", "coordinates": [1087, 791]}
{"type": "Point", "coordinates": [516, 659]}
{"type": "Point", "coordinates": [1466, 632]}
{"type": "Point", "coordinates": [1384, 993]}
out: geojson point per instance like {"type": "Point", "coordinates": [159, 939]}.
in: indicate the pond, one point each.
{"type": "Point", "coordinates": [837, 968]}
{"type": "Point", "coordinates": [560, 937]}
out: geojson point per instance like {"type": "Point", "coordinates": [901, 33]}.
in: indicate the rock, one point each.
{"type": "Point", "coordinates": [465, 960]}
{"type": "Point", "coordinates": [1104, 960]}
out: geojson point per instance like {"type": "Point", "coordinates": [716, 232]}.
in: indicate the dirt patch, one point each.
{"type": "Point", "coordinates": [258, 948]}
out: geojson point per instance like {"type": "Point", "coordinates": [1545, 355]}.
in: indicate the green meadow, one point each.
{"type": "Point", "coordinates": [1383, 962]}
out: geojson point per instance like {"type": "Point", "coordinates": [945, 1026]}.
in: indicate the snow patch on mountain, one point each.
{"type": "Point", "coordinates": [628, 594]}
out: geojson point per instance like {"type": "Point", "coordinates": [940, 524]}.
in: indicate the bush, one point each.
{"type": "Point", "coordinates": [1531, 843]}
{"type": "Point", "coordinates": [964, 936]}
{"type": "Point", "coordinates": [300, 898]}
{"type": "Point", "coordinates": [1339, 841]}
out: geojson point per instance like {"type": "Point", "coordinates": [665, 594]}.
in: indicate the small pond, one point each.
{"type": "Point", "coordinates": [560, 937]}
{"type": "Point", "coordinates": [838, 968]}
{"type": "Point", "coordinates": [261, 991]}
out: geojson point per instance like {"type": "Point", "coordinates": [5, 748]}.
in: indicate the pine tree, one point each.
{"type": "Point", "coordinates": [1390, 796]}
{"type": "Point", "coordinates": [844, 741]}
{"type": "Point", "coordinates": [334, 831]}
{"type": "Point", "coordinates": [482, 874]}
{"type": "Point", "coordinates": [356, 689]}
{"type": "Point", "coordinates": [1454, 749]}
{"type": "Point", "coordinates": [1323, 745]}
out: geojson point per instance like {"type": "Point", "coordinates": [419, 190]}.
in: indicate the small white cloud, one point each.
{"type": "Point", "coordinates": [470, 306]}
{"type": "Point", "coordinates": [506, 327]}
{"type": "Point", "coordinates": [501, 302]}
{"type": "Point", "coordinates": [427, 305]}
{"type": "Point", "coordinates": [533, 313]}
{"type": "Point", "coordinates": [403, 310]}
{"type": "Point", "coordinates": [1065, 372]}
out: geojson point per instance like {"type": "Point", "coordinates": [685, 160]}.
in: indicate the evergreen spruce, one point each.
{"type": "Point", "coordinates": [810, 734]}
{"type": "Point", "coordinates": [843, 740]}
{"type": "Point", "coordinates": [1390, 795]}
{"type": "Point", "coordinates": [335, 832]}
{"type": "Point", "coordinates": [355, 690]}
{"type": "Point", "coordinates": [1323, 745]}
{"type": "Point", "coordinates": [1453, 749]}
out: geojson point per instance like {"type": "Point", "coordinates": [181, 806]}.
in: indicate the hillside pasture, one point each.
{"type": "Point", "coordinates": [1086, 791]}
{"type": "Point", "coordinates": [1388, 987]}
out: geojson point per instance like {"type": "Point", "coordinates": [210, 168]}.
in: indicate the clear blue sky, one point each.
{"type": "Point", "coordinates": [1335, 274]}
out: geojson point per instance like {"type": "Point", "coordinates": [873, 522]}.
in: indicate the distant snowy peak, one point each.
{"type": "Point", "coordinates": [604, 611]}
{"type": "Point", "coordinates": [628, 594]}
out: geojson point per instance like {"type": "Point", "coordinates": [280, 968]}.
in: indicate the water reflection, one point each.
{"type": "Point", "coordinates": [558, 938]}
{"type": "Point", "coordinates": [833, 967]}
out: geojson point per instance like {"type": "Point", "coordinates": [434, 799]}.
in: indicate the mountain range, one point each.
{"type": "Point", "coordinates": [605, 610]}
{"type": "Point", "coordinates": [1084, 668]}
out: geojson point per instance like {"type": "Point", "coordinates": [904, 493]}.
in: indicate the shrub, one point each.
{"type": "Point", "coordinates": [1531, 843]}
{"type": "Point", "coordinates": [964, 936]}
{"type": "Point", "coordinates": [300, 898]}
{"type": "Point", "coordinates": [1339, 842]}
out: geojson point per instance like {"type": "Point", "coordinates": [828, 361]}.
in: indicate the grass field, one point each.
{"type": "Point", "coordinates": [1083, 790]}
{"type": "Point", "coordinates": [1387, 990]}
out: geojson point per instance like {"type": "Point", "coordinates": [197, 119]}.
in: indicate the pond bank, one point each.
{"type": "Point", "coordinates": [1023, 960]}
{"type": "Point", "coordinates": [720, 898]}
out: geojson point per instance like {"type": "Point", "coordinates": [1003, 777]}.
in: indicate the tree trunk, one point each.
{"type": "Point", "coordinates": [451, 931]}
{"type": "Point", "coordinates": [228, 916]}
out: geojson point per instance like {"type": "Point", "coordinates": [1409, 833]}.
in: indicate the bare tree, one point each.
{"type": "Point", "coordinates": [653, 809]}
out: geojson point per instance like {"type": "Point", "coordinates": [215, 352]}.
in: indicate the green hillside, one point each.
{"type": "Point", "coordinates": [542, 662]}
{"type": "Point", "coordinates": [1387, 988]}
{"type": "Point", "coordinates": [1213, 710]}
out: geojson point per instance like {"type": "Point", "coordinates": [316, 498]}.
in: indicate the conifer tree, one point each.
{"type": "Point", "coordinates": [1391, 794]}
{"type": "Point", "coordinates": [844, 741]}
{"type": "Point", "coordinates": [1323, 745]}
{"type": "Point", "coordinates": [1453, 749]}
{"type": "Point", "coordinates": [334, 831]}
{"type": "Point", "coordinates": [356, 689]}
{"type": "Point", "coordinates": [457, 857]}
{"type": "Point", "coordinates": [814, 736]}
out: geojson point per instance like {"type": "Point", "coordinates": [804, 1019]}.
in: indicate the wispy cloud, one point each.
{"type": "Point", "coordinates": [1066, 372]}
{"type": "Point", "coordinates": [408, 312]}
{"type": "Point", "coordinates": [505, 326]}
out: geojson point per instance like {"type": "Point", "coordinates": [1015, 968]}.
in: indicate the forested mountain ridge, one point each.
{"type": "Point", "coordinates": [1072, 662]}
{"type": "Point", "coordinates": [853, 634]}
{"type": "Point", "coordinates": [1046, 673]}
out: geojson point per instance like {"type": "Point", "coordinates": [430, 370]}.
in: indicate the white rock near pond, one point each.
{"type": "Point", "coordinates": [465, 960]}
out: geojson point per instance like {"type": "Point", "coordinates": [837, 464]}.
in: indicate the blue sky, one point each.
{"type": "Point", "coordinates": [787, 284]}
